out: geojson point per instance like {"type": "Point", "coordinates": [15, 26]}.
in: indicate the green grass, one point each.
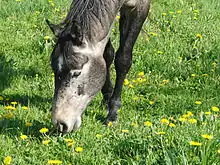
{"type": "Point", "coordinates": [167, 49]}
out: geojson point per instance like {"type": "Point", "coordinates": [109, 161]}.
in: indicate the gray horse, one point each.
{"type": "Point", "coordinates": [83, 54]}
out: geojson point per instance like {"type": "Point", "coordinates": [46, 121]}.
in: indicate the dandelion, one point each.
{"type": "Point", "coordinates": [99, 135]}
{"type": "Point", "coordinates": [218, 151]}
{"type": "Point", "coordinates": [37, 12]}
{"type": "Point", "coordinates": [160, 133]}
{"type": "Point", "coordinates": [78, 149]}
{"type": "Point", "coordinates": [68, 140]}
{"type": "Point", "coordinates": [192, 121]}
{"type": "Point", "coordinates": [7, 160]}
{"type": "Point", "coordinates": [1, 98]}
{"type": "Point", "coordinates": [151, 102]}
{"type": "Point", "coordinates": [179, 12]}
{"type": "Point", "coordinates": [193, 143]}
{"type": "Point", "coordinates": [198, 36]}
{"type": "Point", "coordinates": [193, 75]}
{"type": "Point", "coordinates": [24, 108]}
{"type": "Point", "coordinates": [54, 162]}
{"type": "Point", "coordinates": [8, 116]}
{"type": "Point", "coordinates": [182, 119]}
{"type": "Point", "coordinates": [171, 12]}
{"type": "Point", "coordinates": [43, 130]}
{"type": "Point", "coordinates": [198, 102]}
{"type": "Point", "coordinates": [164, 14]}
{"type": "Point", "coordinates": [126, 82]}
{"type": "Point", "coordinates": [23, 137]}
{"type": "Point", "coordinates": [46, 38]}
{"type": "Point", "coordinates": [45, 142]}
{"type": "Point", "coordinates": [9, 107]}
{"type": "Point", "coordinates": [110, 124]}
{"type": "Point", "coordinates": [215, 109]}
{"type": "Point", "coordinates": [141, 74]}
{"type": "Point", "coordinates": [206, 136]}
{"type": "Point", "coordinates": [164, 121]}
{"type": "Point", "coordinates": [160, 52]}
{"type": "Point", "coordinates": [28, 124]}
{"type": "Point", "coordinates": [124, 131]}
{"type": "Point", "coordinates": [134, 81]}
{"type": "Point", "coordinates": [208, 113]}
{"type": "Point", "coordinates": [172, 125]}
{"type": "Point", "coordinates": [14, 103]}
{"type": "Point", "coordinates": [148, 123]}
{"type": "Point", "coordinates": [153, 34]}
{"type": "Point", "coordinates": [189, 113]}
{"type": "Point", "coordinates": [131, 86]}
{"type": "Point", "coordinates": [165, 81]}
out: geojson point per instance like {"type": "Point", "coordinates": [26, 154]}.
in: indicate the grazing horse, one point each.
{"type": "Point", "coordinates": [83, 54]}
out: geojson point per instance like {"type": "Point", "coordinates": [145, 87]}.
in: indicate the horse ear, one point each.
{"type": "Point", "coordinates": [76, 33]}
{"type": "Point", "coordinates": [54, 28]}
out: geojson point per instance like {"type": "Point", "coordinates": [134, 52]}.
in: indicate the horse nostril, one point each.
{"type": "Point", "coordinates": [62, 127]}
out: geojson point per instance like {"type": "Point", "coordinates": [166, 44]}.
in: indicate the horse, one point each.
{"type": "Point", "coordinates": [83, 53]}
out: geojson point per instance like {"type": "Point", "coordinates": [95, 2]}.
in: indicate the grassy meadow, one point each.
{"type": "Point", "coordinates": [171, 97]}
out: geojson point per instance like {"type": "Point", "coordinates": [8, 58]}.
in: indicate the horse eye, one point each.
{"type": "Point", "coordinates": [76, 74]}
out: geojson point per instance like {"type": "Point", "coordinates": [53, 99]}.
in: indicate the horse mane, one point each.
{"type": "Point", "coordinates": [83, 12]}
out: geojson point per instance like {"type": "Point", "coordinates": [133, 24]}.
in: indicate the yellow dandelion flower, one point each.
{"type": "Point", "coordinates": [140, 80]}
{"type": "Point", "coordinates": [24, 108]}
{"type": "Point", "coordinates": [52, 4]}
{"type": "Point", "coordinates": [68, 140]}
{"type": "Point", "coordinates": [160, 133]}
{"type": "Point", "coordinates": [153, 34]}
{"type": "Point", "coordinates": [9, 107]}
{"type": "Point", "coordinates": [172, 125]}
{"type": "Point", "coordinates": [171, 12]}
{"type": "Point", "coordinates": [126, 82]}
{"type": "Point", "coordinates": [164, 121]}
{"type": "Point", "coordinates": [179, 12]}
{"type": "Point", "coordinates": [148, 123]}
{"type": "Point", "coordinates": [1, 98]}
{"type": "Point", "coordinates": [14, 103]}
{"type": "Point", "coordinates": [193, 75]}
{"type": "Point", "coordinates": [208, 113]}
{"type": "Point", "coordinates": [218, 151]}
{"type": "Point", "coordinates": [110, 124]}
{"type": "Point", "coordinates": [192, 121]}
{"type": "Point", "coordinates": [54, 162]}
{"type": "Point", "coordinates": [215, 109]}
{"type": "Point", "coordinates": [165, 81]}
{"type": "Point", "coordinates": [134, 81]}
{"type": "Point", "coordinates": [131, 86]}
{"type": "Point", "coordinates": [198, 102]}
{"type": "Point", "coordinates": [28, 124]}
{"type": "Point", "coordinates": [43, 130]}
{"type": "Point", "coordinates": [125, 131]}
{"type": "Point", "coordinates": [45, 142]}
{"type": "Point", "coordinates": [37, 12]}
{"type": "Point", "coordinates": [141, 74]}
{"type": "Point", "coordinates": [70, 144]}
{"type": "Point", "coordinates": [7, 160]}
{"type": "Point", "coordinates": [99, 135]}
{"type": "Point", "coordinates": [193, 143]}
{"type": "Point", "coordinates": [118, 17]}
{"type": "Point", "coordinates": [164, 14]}
{"type": "Point", "coordinates": [78, 149]}
{"type": "Point", "coordinates": [151, 102]}
{"type": "Point", "coordinates": [23, 137]}
{"type": "Point", "coordinates": [160, 52]}
{"type": "Point", "coordinates": [189, 113]}
{"type": "Point", "coordinates": [198, 36]}
{"type": "Point", "coordinates": [46, 38]}
{"type": "Point", "coordinates": [8, 116]}
{"type": "Point", "coordinates": [214, 64]}
{"type": "Point", "coordinates": [206, 136]}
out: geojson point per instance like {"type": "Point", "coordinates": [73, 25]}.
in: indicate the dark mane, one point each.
{"type": "Point", "coordinates": [86, 13]}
